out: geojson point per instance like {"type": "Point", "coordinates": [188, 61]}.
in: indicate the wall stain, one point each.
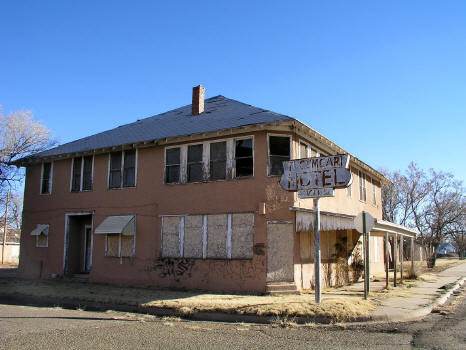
{"type": "Point", "coordinates": [174, 268]}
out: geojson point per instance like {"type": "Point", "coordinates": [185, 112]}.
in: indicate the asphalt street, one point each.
{"type": "Point", "coordinates": [27, 327]}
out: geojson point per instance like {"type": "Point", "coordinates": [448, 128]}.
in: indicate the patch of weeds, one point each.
{"type": "Point", "coordinates": [284, 322]}
{"type": "Point", "coordinates": [186, 311]}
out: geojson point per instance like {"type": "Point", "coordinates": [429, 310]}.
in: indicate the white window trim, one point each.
{"type": "Point", "coordinates": [42, 178]}
{"type": "Point", "coordinates": [309, 149]}
{"type": "Point", "coordinates": [46, 242]}
{"type": "Point", "coordinates": [122, 167]}
{"type": "Point", "coordinates": [362, 185]}
{"type": "Point", "coordinates": [230, 160]}
{"type": "Point", "coordinates": [82, 174]}
{"type": "Point", "coordinates": [268, 150]}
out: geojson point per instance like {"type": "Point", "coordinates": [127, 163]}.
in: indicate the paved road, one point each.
{"type": "Point", "coordinates": [24, 327]}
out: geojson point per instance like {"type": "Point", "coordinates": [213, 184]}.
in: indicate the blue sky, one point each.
{"type": "Point", "coordinates": [384, 80]}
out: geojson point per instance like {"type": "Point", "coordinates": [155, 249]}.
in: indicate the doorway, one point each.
{"type": "Point", "coordinates": [280, 245]}
{"type": "Point", "coordinates": [78, 244]}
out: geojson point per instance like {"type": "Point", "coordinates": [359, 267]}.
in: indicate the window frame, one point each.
{"type": "Point", "coordinates": [362, 186]}
{"type": "Point", "coordinates": [81, 182]}
{"type": "Point", "coordinates": [210, 161]}
{"type": "Point", "coordinates": [119, 246]}
{"type": "Point", "coordinates": [165, 166]}
{"type": "Point", "coordinates": [268, 151]}
{"type": "Point", "coordinates": [122, 168]}
{"type": "Point", "coordinates": [201, 162]}
{"type": "Point", "coordinates": [50, 182]}
{"type": "Point", "coordinates": [309, 149]}
{"type": "Point", "coordinates": [233, 175]}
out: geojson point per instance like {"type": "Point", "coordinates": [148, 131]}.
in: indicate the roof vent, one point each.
{"type": "Point", "coordinates": [198, 100]}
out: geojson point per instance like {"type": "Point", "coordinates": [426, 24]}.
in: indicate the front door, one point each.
{"type": "Point", "coordinates": [280, 252]}
{"type": "Point", "coordinates": [87, 248]}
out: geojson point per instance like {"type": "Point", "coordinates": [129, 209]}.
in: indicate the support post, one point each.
{"type": "Point", "coordinates": [395, 257]}
{"type": "Point", "coordinates": [387, 260]}
{"type": "Point", "coordinates": [317, 268]}
{"type": "Point", "coordinates": [366, 256]}
{"type": "Point", "coordinates": [5, 226]}
{"type": "Point", "coordinates": [401, 258]}
{"type": "Point", "coordinates": [412, 257]}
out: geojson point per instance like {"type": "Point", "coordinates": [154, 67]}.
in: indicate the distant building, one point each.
{"type": "Point", "coordinates": [11, 245]}
{"type": "Point", "coordinates": [190, 199]}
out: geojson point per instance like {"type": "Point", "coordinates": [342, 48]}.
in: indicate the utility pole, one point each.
{"type": "Point", "coordinates": [5, 226]}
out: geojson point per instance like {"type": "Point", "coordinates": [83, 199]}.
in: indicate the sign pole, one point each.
{"type": "Point", "coordinates": [366, 256]}
{"type": "Point", "coordinates": [317, 269]}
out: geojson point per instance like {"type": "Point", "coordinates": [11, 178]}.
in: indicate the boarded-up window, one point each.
{"type": "Point", "coordinates": [42, 240]}
{"type": "Point", "coordinates": [193, 235]}
{"type": "Point", "coordinates": [305, 245]}
{"type": "Point", "coordinates": [217, 226]}
{"type": "Point", "coordinates": [113, 245]}
{"type": "Point", "coordinates": [218, 160]}
{"type": "Point", "coordinates": [171, 237]}
{"type": "Point", "coordinates": [279, 151]}
{"type": "Point", "coordinates": [304, 150]}
{"type": "Point", "coordinates": [242, 236]}
{"type": "Point", "coordinates": [172, 165]}
{"type": "Point", "coordinates": [195, 163]}
{"type": "Point", "coordinates": [127, 246]}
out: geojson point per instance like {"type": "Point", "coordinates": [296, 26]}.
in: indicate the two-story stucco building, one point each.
{"type": "Point", "coordinates": [191, 199]}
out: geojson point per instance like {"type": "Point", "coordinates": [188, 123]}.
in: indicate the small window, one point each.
{"type": "Point", "coordinates": [119, 245]}
{"type": "Point", "coordinates": [244, 158]}
{"type": "Point", "coordinates": [218, 160]}
{"type": "Point", "coordinates": [362, 187]}
{"type": "Point", "coordinates": [279, 151]}
{"type": "Point", "coordinates": [172, 165]}
{"type": "Point", "coordinates": [76, 177]}
{"type": "Point", "coordinates": [122, 169]}
{"type": "Point", "coordinates": [129, 169]}
{"type": "Point", "coordinates": [46, 181]}
{"type": "Point", "coordinates": [81, 177]}
{"type": "Point", "coordinates": [195, 163]}
{"type": "Point", "coordinates": [87, 173]}
{"type": "Point", "coordinates": [374, 192]}
{"type": "Point", "coordinates": [304, 150]}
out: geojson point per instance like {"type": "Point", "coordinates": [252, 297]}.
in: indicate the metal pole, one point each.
{"type": "Point", "coordinates": [317, 269]}
{"type": "Point", "coordinates": [401, 258]}
{"type": "Point", "coordinates": [366, 256]}
{"type": "Point", "coordinates": [395, 258]}
{"type": "Point", "coordinates": [412, 257]}
{"type": "Point", "coordinates": [387, 260]}
{"type": "Point", "coordinates": [5, 226]}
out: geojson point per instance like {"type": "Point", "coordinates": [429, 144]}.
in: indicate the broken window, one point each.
{"type": "Point", "coordinates": [195, 163]}
{"type": "Point", "coordinates": [218, 160]}
{"type": "Point", "coordinates": [129, 169]}
{"type": "Point", "coordinates": [122, 169]}
{"type": "Point", "coordinates": [362, 186]}
{"type": "Point", "coordinates": [244, 158]}
{"type": "Point", "coordinates": [76, 177]}
{"type": "Point", "coordinates": [279, 151]}
{"type": "Point", "coordinates": [172, 165]}
{"type": "Point", "coordinates": [46, 181]}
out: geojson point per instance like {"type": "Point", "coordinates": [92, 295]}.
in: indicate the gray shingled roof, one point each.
{"type": "Point", "coordinates": [220, 113]}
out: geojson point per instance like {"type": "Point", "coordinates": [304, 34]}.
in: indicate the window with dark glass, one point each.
{"type": "Point", "coordinates": [218, 160]}
{"type": "Point", "coordinates": [129, 169]}
{"type": "Point", "coordinates": [172, 165]}
{"type": "Point", "coordinates": [46, 181]}
{"type": "Point", "coordinates": [76, 177]}
{"type": "Point", "coordinates": [195, 163]}
{"type": "Point", "coordinates": [244, 162]}
{"type": "Point", "coordinates": [279, 151]}
{"type": "Point", "coordinates": [87, 173]}
{"type": "Point", "coordinates": [115, 170]}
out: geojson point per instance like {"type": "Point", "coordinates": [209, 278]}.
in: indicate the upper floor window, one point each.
{"type": "Point", "coordinates": [244, 158]}
{"type": "Point", "coordinates": [172, 165]}
{"type": "Point", "coordinates": [304, 150]}
{"type": "Point", "coordinates": [218, 160]}
{"type": "Point", "coordinates": [362, 187]}
{"type": "Point", "coordinates": [46, 178]}
{"type": "Point", "coordinates": [279, 151]}
{"type": "Point", "coordinates": [374, 192]}
{"type": "Point", "coordinates": [122, 172]}
{"type": "Point", "coordinates": [81, 178]}
{"type": "Point", "coordinates": [195, 173]}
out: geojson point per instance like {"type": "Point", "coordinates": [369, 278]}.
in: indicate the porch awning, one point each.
{"type": "Point", "coordinates": [381, 227]}
{"type": "Point", "coordinates": [40, 229]}
{"type": "Point", "coordinates": [125, 224]}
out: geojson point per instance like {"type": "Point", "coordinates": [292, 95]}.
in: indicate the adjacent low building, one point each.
{"type": "Point", "coordinates": [191, 199]}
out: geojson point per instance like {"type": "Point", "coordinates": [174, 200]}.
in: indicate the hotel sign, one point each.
{"type": "Point", "coordinates": [316, 173]}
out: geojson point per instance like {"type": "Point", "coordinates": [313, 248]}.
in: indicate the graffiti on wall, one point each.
{"type": "Point", "coordinates": [169, 267]}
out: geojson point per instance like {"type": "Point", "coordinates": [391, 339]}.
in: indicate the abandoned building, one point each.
{"type": "Point", "coordinates": [191, 199]}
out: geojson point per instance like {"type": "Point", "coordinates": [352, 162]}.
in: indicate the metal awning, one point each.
{"type": "Point", "coordinates": [40, 229]}
{"type": "Point", "coordinates": [125, 224]}
{"type": "Point", "coordinates": [305, 219]}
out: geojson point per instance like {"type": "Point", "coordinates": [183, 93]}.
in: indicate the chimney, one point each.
{"type": "Point", "coordinates": [198, 100]}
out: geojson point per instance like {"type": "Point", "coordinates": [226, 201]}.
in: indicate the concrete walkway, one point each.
{"type": "Point", "coordinates": [422, 299]}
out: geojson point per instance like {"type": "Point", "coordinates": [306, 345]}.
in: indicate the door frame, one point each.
{"type": "Point", "coordinates": [67, 234]}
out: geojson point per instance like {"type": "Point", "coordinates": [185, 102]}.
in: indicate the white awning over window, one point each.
{"type": "Point", "coordinates": [125, 224]}
{"type": "Point", "coordinates": [328, 221]}
{"type": "Point", "coordinates": [40, 229]}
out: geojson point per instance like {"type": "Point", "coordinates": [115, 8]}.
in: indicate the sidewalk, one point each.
{"type": "Point", "coordinates": [411, 300]}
